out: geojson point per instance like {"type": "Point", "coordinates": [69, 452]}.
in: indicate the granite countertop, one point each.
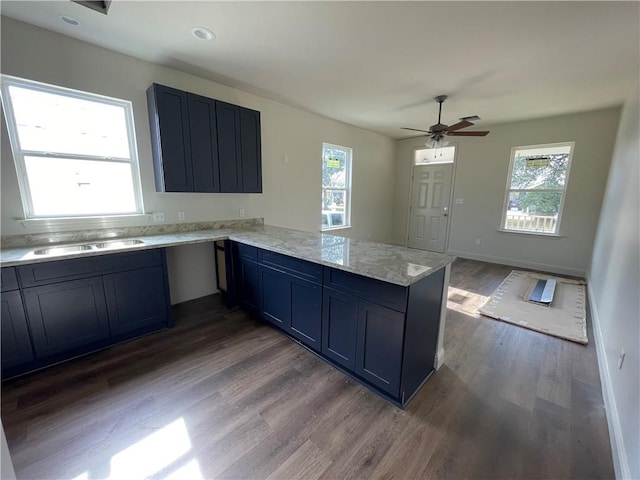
{"type": "Point", "coordinates": [389, 263]}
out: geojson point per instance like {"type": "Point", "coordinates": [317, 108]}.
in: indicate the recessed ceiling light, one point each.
{"type": "Point", "coordinates": [202, 33]}
{"type": "Point", "coordinates": [69, 20]}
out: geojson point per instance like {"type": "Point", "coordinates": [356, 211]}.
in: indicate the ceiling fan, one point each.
{"type": "Point", "coordinates": [438, 132]}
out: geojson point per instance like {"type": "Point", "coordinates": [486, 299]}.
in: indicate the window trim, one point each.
{"type": "Point", "coordinates": [563, 192]}
{"type": "Point", "coordinates": [346, 189]}
{"type": "Point", "coordinates": [19, 154]}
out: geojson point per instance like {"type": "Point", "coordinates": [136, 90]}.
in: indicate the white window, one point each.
{"type": "Point", "coordinates": [336, 186]}
{"type": "Point", "coordinates": [75, 152]}
{"type": "Point", "coordinates": [536, 188]}
{"type": "Point", "coordinates": [429, 156]}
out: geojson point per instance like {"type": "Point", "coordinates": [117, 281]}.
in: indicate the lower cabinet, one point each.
{"type": "Point", "coordinates": [380, 346]}
{"type": "Point", "coordinates": [248, 289]}
{"type": "Point", "coordinates": [72, 307]}
{"type": "Point", "coordinates": [16, 343]}
{"type": "Point", "coordinates": [291, 303]}
{"type": "Point", "coordinates": [382, 334]}
{"type": "Point", "coordinates": [67, 315]}
{"type": "Point", "coordinates": [340, 327]}
{"type": "Point", "coordinates": [135, 299]}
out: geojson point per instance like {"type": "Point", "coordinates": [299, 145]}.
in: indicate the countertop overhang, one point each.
{"type": "Point", "coordinates": [389, 263]}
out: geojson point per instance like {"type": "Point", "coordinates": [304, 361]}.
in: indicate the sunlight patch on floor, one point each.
{"type": "Point", "coordinates": [464, 301]}
{"type": "Point", "coordinates": [154, 454]}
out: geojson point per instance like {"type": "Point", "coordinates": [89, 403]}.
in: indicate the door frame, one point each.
{"type": "Point", "coordinates": [451, 193]}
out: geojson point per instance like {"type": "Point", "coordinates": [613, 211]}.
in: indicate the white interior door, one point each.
{"type": "Point", "coordinates": [429, 209]}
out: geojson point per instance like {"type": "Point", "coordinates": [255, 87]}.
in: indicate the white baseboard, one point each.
{"type": "Point", "coordinates": [574, 272]}
{"type": "Point", "coordinates": [618, 451]}
{"type": "Point", "coordinates": [439, 359]}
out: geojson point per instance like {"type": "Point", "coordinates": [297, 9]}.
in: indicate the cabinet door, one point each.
{"type": "Point", "coordinates": [248, 288]}
{"type": "Point", "coordinates": [204, 144]}
{"type": "Point", "coordinates": [16, 343]}
{"type": "Point", "coordinates": [173, 161]}
{"type": "Point", "coordinates": [339, 327]}
{"type": "Point", "coordinates": [250, 148]}
{"type": "Point", "coordinates": [379, 351]}
{"type": "Point", "coordinates": [135, 299]}
{"type": "Point", "coordinates": [275, 296]}
{"type": "Point", "coordinates": [306, 312]}
{"type": "Point", "coordinates": [228, 123]}
{"type": "Point", "coordinates": [66, 315]}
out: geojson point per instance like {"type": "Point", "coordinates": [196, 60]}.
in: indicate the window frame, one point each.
{"type": "Point", "coordinates": [347, 189]}
{"type": "Point", "coordinates": [7, 81]}
{"type": "Point", "coordinates": [563, 191]}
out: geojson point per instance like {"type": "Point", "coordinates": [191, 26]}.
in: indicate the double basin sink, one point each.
{"type": "Point", "coordinates": [87, 247]}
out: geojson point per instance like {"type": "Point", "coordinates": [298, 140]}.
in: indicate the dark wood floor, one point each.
{"type": "Point", "coordinates": [222, 396]}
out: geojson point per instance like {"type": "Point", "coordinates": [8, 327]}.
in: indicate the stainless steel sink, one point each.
{"type": "Point", "coordinates": [117, 244]}
{"type": "Point", "coordinates": [85, 247]}
{"type": "Point", "coordinates": [63, 250]}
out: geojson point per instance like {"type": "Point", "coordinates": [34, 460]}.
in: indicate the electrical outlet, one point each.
{"type": "Point", "coordinates": [158, 216]}
{"type": "Point", "coordinates": [242, 213]}
{"type": "Point", "coordinates": [477, 241]}
{"type": "Point", "coordinates": [181, 216]}
{"type": "Point", "coordinates": [621, 358]}
{"type": "Point", "coordinates": [459, 201]}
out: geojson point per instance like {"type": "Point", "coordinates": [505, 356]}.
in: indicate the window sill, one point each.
{"type": "Point", "coordinates": [61, 223]}
{"type": "Point", "coordinates": [531, 234]}
{"type": "Point", "coordinates": [330, 229]}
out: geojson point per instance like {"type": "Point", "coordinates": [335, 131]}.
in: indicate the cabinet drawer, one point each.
{"type": "Point", "coordinates": [50, 272]}
{"type": "Point", "coordinates": [382, 293]}
{"type": "Point", "coordinates": [248, 252]}
{"type": "Point", "coordinates": [9, 279]}
{"type": "Point", "coordinates": [300, 268]}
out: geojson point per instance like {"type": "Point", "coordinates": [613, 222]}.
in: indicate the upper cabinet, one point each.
{"type": "Point", "coordinates": [203, 145]}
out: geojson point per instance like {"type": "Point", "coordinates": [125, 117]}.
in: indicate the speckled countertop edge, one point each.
{"type": "Point", "coordinates": [389, 263]}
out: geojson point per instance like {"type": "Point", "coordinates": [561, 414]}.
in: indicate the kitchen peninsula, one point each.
{"type": "Point", "coordinates": [374, 311]}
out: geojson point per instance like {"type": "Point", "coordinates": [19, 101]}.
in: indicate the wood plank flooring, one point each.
{"type": "Point", "coordinates": [223, 396]}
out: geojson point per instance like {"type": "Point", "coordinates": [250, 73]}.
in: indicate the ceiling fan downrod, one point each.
{"type": "Point", "coordinates": [440, 99]}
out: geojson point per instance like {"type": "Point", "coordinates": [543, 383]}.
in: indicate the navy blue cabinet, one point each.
{"type": "Point", "coordinates": [306, 312]}
{"type": "Point", "coordinates": [250, 151]}
{"type": "Point", "coordinates": [203, 145]}
{"type": "Point", "coordinates": [76, 306]}
{"type": "Point", "coordinates": [170, 136]}
{"type": "Point", "coordinates": [293, 304]}
{"type": "Point", "coordinates": [340, 327]}
{"type": "Point", "coordinates": [66, 315]}
{"type": "Point", "coordinates": [383, 335]}
{"type": "Point", "coordinates": [184, 140]}
{"type": "Point", "coordinates": [245, 261]}
{"type": "Point", "coordinates": [16, 343]}
{"type": "Point", "coordinates": [136, 299]}
{"type": "Point", "coordinates": [228, 124]}
{"type": "Point", "coordinates": [380, 346]}
{"type": "Point", "coordinates": [239, 148]}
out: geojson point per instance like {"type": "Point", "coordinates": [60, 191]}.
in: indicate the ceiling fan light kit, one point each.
{"type": "Point", "coordinates": [437, 133]}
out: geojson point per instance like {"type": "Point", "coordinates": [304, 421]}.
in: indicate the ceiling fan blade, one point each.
{"type": "Point", "coordinates": [415, 130]}
{"type": "Point", "coordinates": [459, 125]}
{"type": "Point", "coordinates": [469, 134]}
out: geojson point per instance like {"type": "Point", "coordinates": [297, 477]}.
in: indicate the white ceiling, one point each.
{"type": "Point", "coordinates": [378, 65]}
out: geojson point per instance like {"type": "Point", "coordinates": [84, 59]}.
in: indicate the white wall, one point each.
{"type": "Point", "coordinates": [481, 179]}
{"type": "Point", "coordinates": [292, 191]}
{"type": "Point", "coordinates": [614, 280]}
